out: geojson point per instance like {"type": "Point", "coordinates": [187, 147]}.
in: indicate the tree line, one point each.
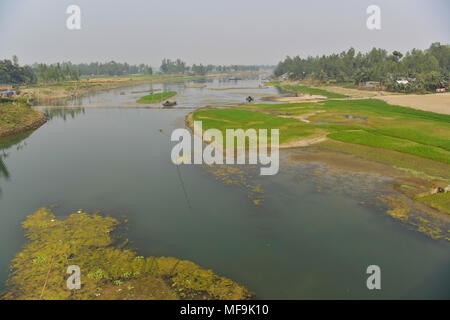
{"type": "Point", "coordinates": [424, 69]}
{"type": "Point", "coordinates": [110, 68]}
{"type": "Point", "coordinates": [178, 66]}
{"type": "Point", "coordinates": [12, 73]}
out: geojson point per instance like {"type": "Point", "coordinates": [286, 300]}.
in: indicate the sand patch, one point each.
{"type": "Point", "coordinates": [435, 102]}
{"type": "Point", "coordinates": [302, 142]}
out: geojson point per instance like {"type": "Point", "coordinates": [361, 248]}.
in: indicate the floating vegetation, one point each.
{"type": "Point", "coordinates": [195, 85]}
{"type": "Point", "coordinates": [156, 97]}
{"type": "Point", "coordinates": [150, 91]}
{"type": "Point", "coordinates": [232, 175]}
{"type": "Point", "coordinates": [107, 271]}
{"type": "Point", "coordinates": [401, 209]}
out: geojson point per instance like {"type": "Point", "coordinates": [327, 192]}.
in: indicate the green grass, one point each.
{"type": "Point", "coordinates": [272, 83]}
{"type": "Point", "coordinates": [222, 119]}
{"type": "Point", "coordinates": [386, 142]}
{"type": "Point", "coordinates": [315, 91]}
{"type": "Point", "coordinates": [156, 97]}
{"type": "Point", "coordinates": [413, 141]}
{"type": "Point", "coordinates": [383, 127]}
{"type": "Point", "coordinates": [16, 114]}
{"type": "Point", "coordinates": [381, 108]}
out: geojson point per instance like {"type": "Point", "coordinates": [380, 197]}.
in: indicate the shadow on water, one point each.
{"type": "Point", "coordinates": [17, 140]}
{"type": "Point", "coordinates": [6, 143]}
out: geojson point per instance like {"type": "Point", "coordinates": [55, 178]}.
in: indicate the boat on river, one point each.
{"type": "Point", "coordinates": [169, 103]}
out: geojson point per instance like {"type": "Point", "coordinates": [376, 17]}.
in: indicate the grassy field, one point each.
{"type": "Point", "coordinates": [223, 119]}
{"type": "Point", "coordinates": [16, 117]}
{"type": "Point", "coordinates": [390, 131]}
{"type": "Point", "coordinates": [156, 97]}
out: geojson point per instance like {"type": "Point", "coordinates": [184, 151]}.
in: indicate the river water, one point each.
{"type": "Point", "coordinates": [312, 236]}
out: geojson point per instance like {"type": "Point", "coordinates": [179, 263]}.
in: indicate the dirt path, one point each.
{"type": "Point", "coordinates": [302, 142]}
{"type": "Point", "coordinates": [303, 117]}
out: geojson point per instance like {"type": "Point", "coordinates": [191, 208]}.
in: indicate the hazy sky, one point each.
{"type": "Point", "coordinates": [213, 31]}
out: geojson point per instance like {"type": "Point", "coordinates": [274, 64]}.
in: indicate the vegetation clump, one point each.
{"type": "Point", "coordinates": [156, 97]}
{"type": "Point", "coordinates": [107, 270]}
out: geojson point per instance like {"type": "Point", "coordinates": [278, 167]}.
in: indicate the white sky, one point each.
{"type": "Point", "coordinates": [213, 31]}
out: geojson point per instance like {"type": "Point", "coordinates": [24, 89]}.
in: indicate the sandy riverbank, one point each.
{"type": "Point", "coordinates": [434, 102]}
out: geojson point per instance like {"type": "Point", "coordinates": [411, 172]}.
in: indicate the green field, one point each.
{"type": "Point", "coordinates": [403, 137]}
{"type": "Point", "coordinates": [223, 119]}
{"type": "Point", "coordinates": [156, 97]}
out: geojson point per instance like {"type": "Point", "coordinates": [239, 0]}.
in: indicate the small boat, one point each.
{"type": "Point", "coordinates": [169, 103]}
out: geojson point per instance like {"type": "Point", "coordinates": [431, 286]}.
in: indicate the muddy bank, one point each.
{"type": "Point", "coordinates": [408, 185]}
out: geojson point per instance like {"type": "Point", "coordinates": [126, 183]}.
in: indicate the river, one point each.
{"type": "Point", "coordinates": [299, 243]}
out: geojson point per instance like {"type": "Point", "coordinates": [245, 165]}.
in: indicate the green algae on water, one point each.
{"type": "Point", "coordinates": [39, 271]}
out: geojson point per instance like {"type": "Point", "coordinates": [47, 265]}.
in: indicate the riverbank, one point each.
{"type": "Point", "coordinates": [53, 93]}
{"type": "Point", "coordinates": [411, 143]}
{"type": "Point", "coordinates": [17, 117]}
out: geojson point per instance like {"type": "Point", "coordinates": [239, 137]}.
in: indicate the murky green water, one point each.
{"type": "Point", "coordinates": [300, 243]}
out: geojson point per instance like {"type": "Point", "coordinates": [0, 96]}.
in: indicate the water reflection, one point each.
{"type": "Point", "coordinates": [62, 113]}
{"type": "Point", "coordinates": [6, 144]}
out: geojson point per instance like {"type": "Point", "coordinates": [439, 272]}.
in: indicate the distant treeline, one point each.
{"type": "Point", "coordinates": [179, 66]}
{"type": "Point", "coordinates": [74, 71]}
{"type": "Point", "coordinates": [111, 68]}
{"type": "Point", "coordinates": [425, 70]}
{"type": "Point", "coordinates": [12, 73]}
